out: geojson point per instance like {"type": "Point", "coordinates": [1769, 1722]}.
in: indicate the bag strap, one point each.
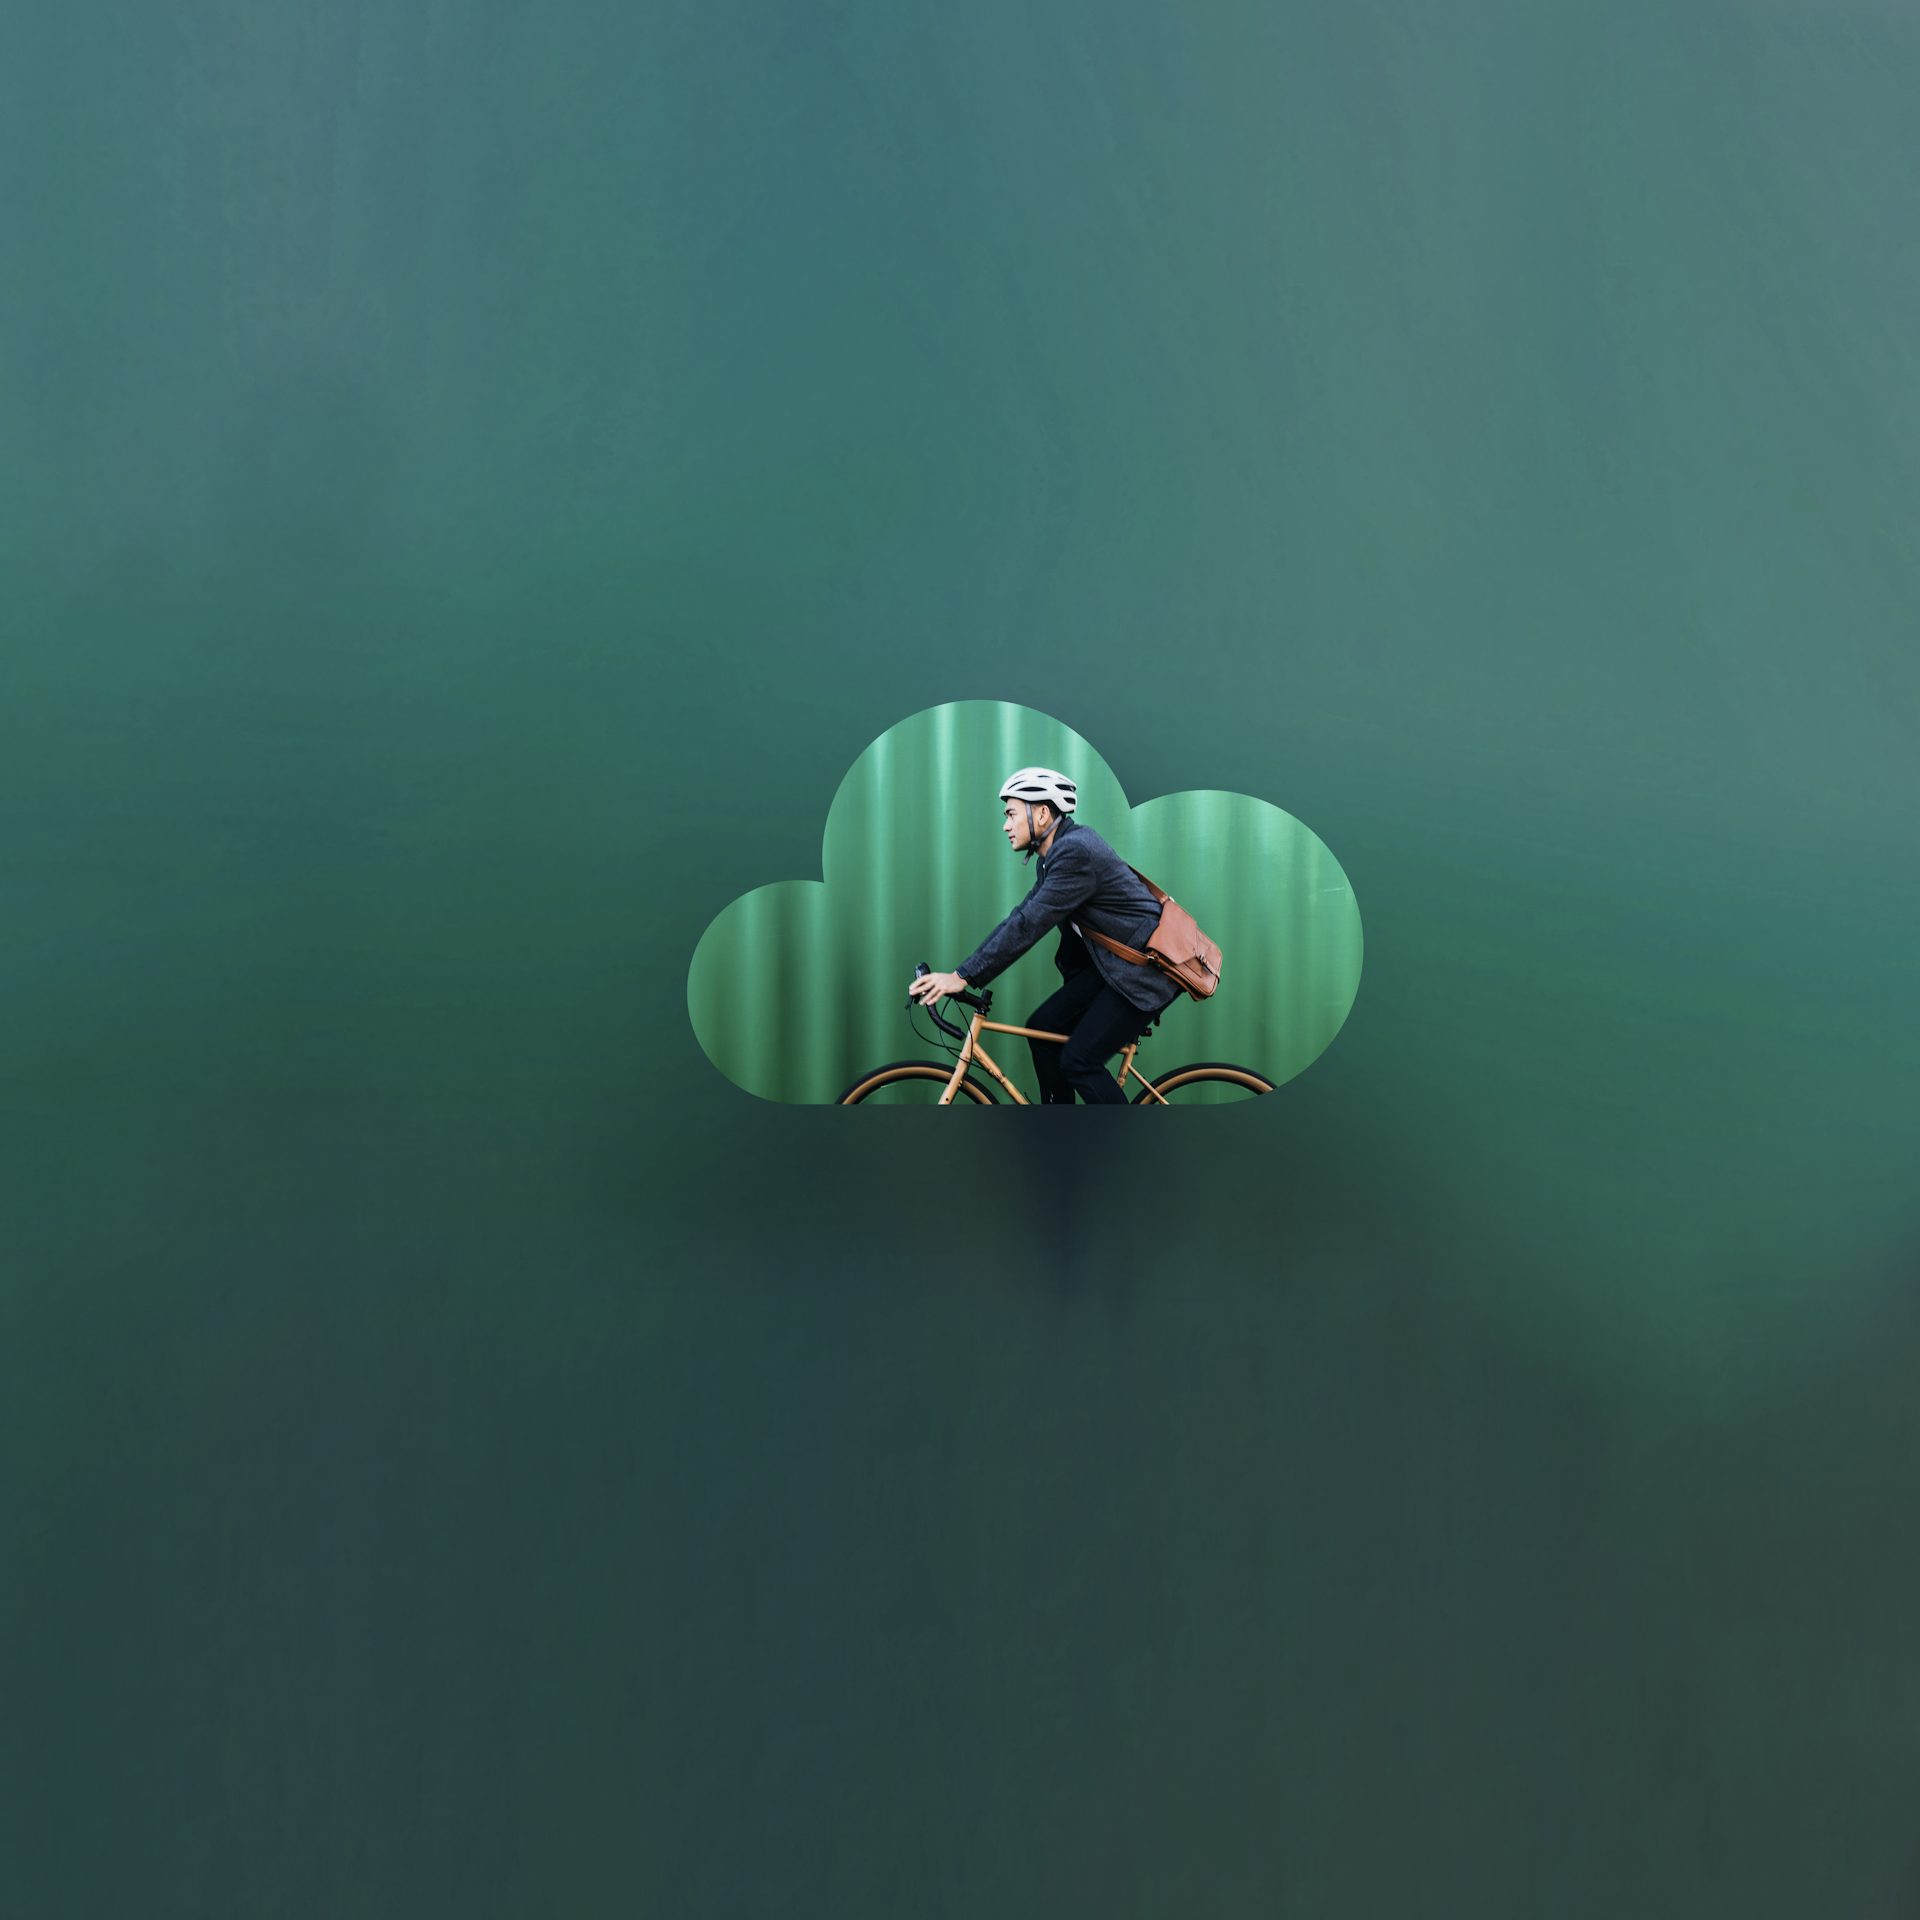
{"type": "Point", "coordinates": [1134, 954]}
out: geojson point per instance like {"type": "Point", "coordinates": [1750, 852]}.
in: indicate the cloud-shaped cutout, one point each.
{"type": "Point", "coordinates": [798, 987]}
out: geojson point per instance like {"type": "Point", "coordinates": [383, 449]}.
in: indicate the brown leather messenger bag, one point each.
{"type": "Point", "coordinates": [1177, 946]}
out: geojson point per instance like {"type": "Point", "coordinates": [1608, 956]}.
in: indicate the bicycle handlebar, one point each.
{"type": "Point", "coordinates": [981, 1002]}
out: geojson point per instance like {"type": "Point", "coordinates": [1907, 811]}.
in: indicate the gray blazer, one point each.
{"type": "Point", "coordinates": [1082, 879]}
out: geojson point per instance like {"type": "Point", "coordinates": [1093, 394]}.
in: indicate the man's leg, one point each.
{"type": "Point", "coordinates": [1110, 1021]}
{"type": "Point", "coordinates": [1060, 1013]}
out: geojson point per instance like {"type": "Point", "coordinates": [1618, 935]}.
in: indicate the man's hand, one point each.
{"type": "Point", "coordinates": [936, 986]}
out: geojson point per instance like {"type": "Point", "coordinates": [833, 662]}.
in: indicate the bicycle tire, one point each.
{"type": "Point", "coordinates": [897, 1071]}
{"type": "Point", "coordinates": [1204, 1073]}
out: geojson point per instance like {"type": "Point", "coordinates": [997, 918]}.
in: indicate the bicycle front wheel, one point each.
{"type": "Point", "coordinates": [911, 1083]}
{"type": "Point", "coordinates": [1207, 1083]}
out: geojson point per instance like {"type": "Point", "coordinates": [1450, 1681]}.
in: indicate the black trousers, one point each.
{"type": "Point", "coordinates": [1099, 1022]}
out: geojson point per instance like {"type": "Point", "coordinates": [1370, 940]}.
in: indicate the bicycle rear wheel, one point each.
{"type": "Point", "coordinates": [1207, 1083]}
{"type": "Point", "coordinates": [911, 1083]}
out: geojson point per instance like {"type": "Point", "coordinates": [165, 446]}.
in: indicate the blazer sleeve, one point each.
{"type": "Point", "coordinates": [1065, 888]}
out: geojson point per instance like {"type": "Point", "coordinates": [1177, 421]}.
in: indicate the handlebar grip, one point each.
{"type": "Point", "coordinates": [919, 973]}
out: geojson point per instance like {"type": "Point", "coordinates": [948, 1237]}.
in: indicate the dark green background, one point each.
{"type": "Point", "coordinates": [473, 477]}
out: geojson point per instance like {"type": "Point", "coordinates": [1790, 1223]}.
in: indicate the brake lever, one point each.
{"type": "Point", "coordinates": [919, 973]}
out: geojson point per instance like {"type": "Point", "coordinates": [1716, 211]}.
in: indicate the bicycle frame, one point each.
{"type": "Point", "coordinates": [971, 1050]}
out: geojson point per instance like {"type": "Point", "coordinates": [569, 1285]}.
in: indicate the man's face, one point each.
{"type": "Point", "coordinates": [1015, 825]}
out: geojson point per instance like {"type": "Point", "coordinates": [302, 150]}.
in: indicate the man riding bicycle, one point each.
{"type": "Point", "coordinates": [1106, 1001]}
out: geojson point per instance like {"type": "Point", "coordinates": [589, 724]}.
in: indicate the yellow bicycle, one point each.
{"type": "Point", "coordinates": [922, 1082]}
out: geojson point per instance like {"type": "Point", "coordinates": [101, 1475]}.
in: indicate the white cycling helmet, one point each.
{"type": "Point", "coordinates": [1042, 783]}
